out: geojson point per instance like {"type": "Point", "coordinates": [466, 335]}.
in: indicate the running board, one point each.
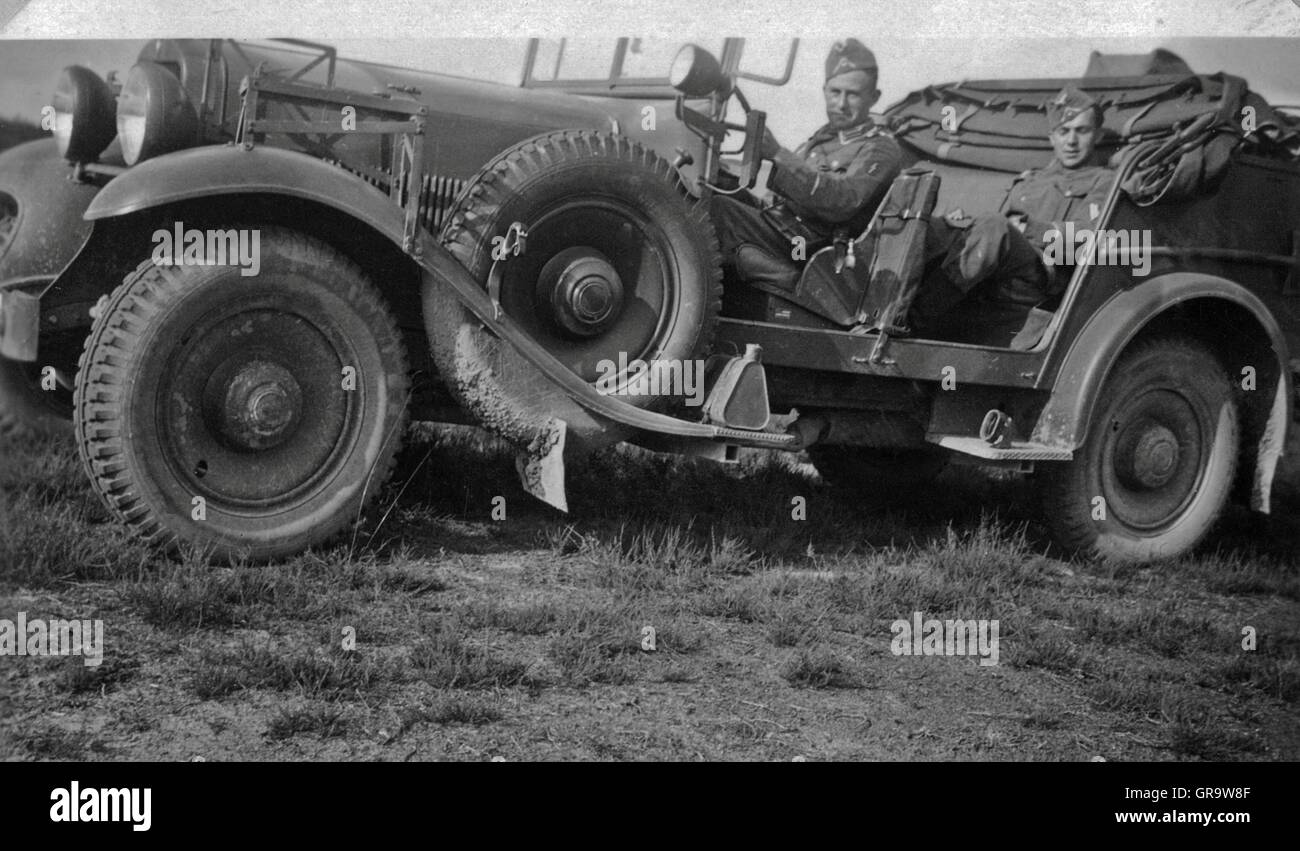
{"type": "Point", "coordinates": [1014, 451]}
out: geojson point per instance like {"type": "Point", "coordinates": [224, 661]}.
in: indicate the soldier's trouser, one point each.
{"type": "Point", "coordinates": [741, 222]}
{"type": "Point", "coordinates": [989, 260]}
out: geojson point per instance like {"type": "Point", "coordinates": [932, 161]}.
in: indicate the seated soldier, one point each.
{"type": "Point", "coordinates": [833, 181]}
{"type": "Point", "coordinates": [991, 266]}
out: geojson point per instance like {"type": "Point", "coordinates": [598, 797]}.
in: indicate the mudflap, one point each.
{"type": "Point", "coordinates": [507, 394]}
{"type": "Point", "coordinates": [541, 465]}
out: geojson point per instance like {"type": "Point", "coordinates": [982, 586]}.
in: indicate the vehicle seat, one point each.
{"type": "Point", "coordinates": [869, 283]}
{"type": "Point", "coordinates": [834, 284]}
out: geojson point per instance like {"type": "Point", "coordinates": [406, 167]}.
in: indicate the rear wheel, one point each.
{"type": "Point", "coordinates": [1156, 468]}
{"type": "Point", "coordinates": [618, 265]}
{"type": "Point", "coordinates": [254, 415]}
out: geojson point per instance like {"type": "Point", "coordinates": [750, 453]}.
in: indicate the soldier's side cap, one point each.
{"type": "Point", "coordinates": [1068, 104]}
{"type": "Point", "coordinates": [847, 55]}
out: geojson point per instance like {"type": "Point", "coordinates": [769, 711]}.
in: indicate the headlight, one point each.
{"type": "Point", "coordinates": [696, 73]}
{"type": "Point", "coordinates": [83, 114]}
{"type": "Point", "coordinates": [154, 114]}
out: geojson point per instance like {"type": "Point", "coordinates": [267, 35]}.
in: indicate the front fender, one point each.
{"type": "Point", "coordinates": [49, 229]}
{"type": "Point", "coordinates": [232, 170]}
{"type": "Point", "coordinates": [1065, 418]}
{"type": "Point", "coordinates": [235, 170]}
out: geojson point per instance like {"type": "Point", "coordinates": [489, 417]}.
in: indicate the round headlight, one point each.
{"type": "Point", "coordinates": [83, 114]}
{"type": "Point", "coordinates": [154, 114]}
{"type": "Point", "coordinates": [696, 73]}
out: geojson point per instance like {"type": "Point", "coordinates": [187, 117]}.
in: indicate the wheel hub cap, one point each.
{"type": "Point", "coordinates": [262, 404]}
{"type": "Point", "coordinates": [583, 290]}
{"type": "Point", "coordinates": [1149, 458]}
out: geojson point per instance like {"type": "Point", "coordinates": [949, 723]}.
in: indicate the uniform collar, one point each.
{"type": "Point", "coordinates": [1086, 167]}
{"type": "Point", "coordinates": [858, 131]}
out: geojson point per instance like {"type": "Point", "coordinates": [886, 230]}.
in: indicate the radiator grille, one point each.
{"type": "Point", "coordinates": [437, 196]}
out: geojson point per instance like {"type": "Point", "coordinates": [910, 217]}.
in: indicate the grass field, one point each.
{"type": "Point", "coordinates": [525, 637]}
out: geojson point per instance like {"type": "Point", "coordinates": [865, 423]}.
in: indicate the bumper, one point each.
{"type": "Point", "coordinates": [20, 316]}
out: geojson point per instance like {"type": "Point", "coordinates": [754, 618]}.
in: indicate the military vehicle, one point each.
{"type": "Point", "coordinates": [242, 268]}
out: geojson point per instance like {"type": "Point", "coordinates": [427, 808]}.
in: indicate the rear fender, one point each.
{"type": "Point", "coordinates": [1065, 419]}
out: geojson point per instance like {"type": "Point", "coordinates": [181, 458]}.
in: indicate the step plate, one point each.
{"type": "Point", "coordinates": [1011, 452]}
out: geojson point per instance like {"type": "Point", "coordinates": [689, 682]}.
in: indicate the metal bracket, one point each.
{"type": "Point", "coordinates": [1291, 286]}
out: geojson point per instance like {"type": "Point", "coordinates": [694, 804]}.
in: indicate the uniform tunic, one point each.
{"type": "Point", "coordinates": [835, 179]}
{"type": "Point", "coordinates": [1049, 197]}
{"type": "Point", "coordinates": [991, 255]}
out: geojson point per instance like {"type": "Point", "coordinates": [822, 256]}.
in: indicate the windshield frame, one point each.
{"type": "Point", "coordinates": [612, 85]}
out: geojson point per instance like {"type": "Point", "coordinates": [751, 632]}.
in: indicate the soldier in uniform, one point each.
{"type": "Point", "coordinates": [992, 264]}
{"type": "Point", "coordinates": [832, 182]}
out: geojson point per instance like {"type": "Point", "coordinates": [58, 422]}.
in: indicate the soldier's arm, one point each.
{"type": "Point", "coordinates": [1034, 229]}
{"type": "Point", "coordinates": [835, 197]}
{"type": "Point", "coordinates": [1080, 212]}
{"type": "Point", "coordinates": [1020, 214]}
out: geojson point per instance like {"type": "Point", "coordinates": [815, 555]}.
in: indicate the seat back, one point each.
{"type": "Point", "coordinates": [898, 253]}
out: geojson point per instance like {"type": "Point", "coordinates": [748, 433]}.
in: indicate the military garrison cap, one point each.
{"type": "Point", "coordinates": [849, 55]}
{"type": "Point", "coordinates": [1068, 105]}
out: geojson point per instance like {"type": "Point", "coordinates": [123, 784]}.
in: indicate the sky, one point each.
{"type": "Point", "coordinates": [28, 69]}
{"type": "Point", "coordinates": [916, 42]}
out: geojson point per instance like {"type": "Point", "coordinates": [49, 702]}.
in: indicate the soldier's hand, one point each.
{"type": "Point", "coordinates": [769, 146]}
{"type": "Point", "coordinates": [1019, 220]}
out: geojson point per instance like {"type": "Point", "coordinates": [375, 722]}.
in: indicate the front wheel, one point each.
{"type": "Point", "coordinates": [253, 415]}
{"type": "Point", "coordinates": [1155, 470]}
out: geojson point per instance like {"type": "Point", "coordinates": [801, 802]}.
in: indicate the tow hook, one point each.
{"type": "Point", "coordinates": [997, 428]}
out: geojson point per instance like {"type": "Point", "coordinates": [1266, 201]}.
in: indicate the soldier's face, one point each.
{"type": "Point", "coordinates": [849, 98]}
{"type": "Point", "coordinates": [1074, 140]}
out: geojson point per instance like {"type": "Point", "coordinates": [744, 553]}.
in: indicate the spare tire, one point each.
{"type": "Point", "coordinates": [601, 256]}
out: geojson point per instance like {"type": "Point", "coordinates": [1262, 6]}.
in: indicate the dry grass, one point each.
{"type": "Point", "coordinates": [678, 612]}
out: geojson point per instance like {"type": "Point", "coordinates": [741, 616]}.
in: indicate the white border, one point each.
{"type": "Point", "coordinates": [879, 19]}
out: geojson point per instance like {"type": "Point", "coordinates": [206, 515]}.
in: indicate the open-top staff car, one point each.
{"type": "Point", "coordinates": [540, 259]}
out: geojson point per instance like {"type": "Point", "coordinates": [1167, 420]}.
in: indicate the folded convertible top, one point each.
{"type": "Point", "coordinates": [1002, 124]}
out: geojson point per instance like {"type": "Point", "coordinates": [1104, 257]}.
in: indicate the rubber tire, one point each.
{"type": "Point", "coordinates": [27, 409]}
{"type": "Point", "coordinates": [147, 321]}
{"type": "Point", "coordinates": [877, 472]}
{"type": "Point", "coordinates": [519, 185]}
{"type": "Point", "coordinates": [1067, 489]}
